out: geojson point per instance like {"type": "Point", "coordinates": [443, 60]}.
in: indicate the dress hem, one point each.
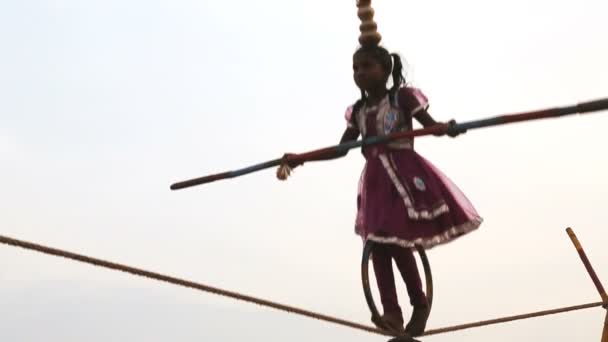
{"type": "Point", "coordinates": [431, 241]}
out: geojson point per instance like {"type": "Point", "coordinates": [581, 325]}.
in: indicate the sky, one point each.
{"type": "Point", "coordinates": [104, 104]}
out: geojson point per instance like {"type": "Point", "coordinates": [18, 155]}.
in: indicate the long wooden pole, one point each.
{"type": "Point", "coordinates": [440, 129]}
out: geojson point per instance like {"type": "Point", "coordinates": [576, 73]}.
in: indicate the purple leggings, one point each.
{"type": "Point", "coordinates": [382, 255]}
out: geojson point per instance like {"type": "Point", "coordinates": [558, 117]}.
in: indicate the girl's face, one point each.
{"type": "Point", "coordinates": [368, 73]}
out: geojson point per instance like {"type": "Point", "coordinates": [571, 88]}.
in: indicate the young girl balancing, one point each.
{"type": "Point", "coordinates": [403, 199]}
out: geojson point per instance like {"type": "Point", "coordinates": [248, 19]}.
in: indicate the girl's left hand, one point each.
{"type": "Point", "coordinates": [453, 131]}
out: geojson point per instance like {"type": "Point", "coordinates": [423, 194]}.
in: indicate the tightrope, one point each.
{"type": "Point", "coordinates": [263, 302]}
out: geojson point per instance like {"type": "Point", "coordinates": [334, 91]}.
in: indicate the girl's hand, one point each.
{"type": "Point", "coordinates": [453, 131]}
{"type": "Point", "coordinates": [290, 161]}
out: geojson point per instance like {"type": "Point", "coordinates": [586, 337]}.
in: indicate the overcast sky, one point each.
{"type": "Point", "coordinates": [104, 104]}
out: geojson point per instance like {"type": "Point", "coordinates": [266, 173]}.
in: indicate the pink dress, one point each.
{"type": "Point", "coordinates": [403, 199]}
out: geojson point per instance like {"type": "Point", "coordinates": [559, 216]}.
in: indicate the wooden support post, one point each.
{"type": "Point", "coordinates": [605, 333]}
{"type": "Point", "coordinates": [594, 278]}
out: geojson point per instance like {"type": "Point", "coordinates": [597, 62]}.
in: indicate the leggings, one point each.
{"type": "Point", "coordinates": [382, 256]}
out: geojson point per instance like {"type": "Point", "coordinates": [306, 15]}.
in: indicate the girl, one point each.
{"type": "Point", "coordinates": [403, 199]}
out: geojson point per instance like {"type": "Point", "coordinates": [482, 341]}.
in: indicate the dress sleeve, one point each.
{"type": "Point", "coordinates": [350, 117]}
{"type": "Point", "coordinates": [412, 100]}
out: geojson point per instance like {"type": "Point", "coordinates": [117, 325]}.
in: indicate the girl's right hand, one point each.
{"type": "Point", "coordinates": [289, 162]}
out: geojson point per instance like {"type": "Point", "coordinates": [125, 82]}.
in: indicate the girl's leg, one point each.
{"type": "Point", "coordinates": [409, 271]}
{"type": "Point", "coordinates": [383, 268]}
{"type": "Point", "coordinates": [406, 263]}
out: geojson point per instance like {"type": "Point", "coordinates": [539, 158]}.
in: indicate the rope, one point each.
{"type": "Point", "coordinates": [182, 282]}
{"type": "Point", "coordinates": [263, 302]}
{"type": "Point", "coordinates": [510, 319]}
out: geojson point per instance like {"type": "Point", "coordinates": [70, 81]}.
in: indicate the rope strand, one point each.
{"type": "Point", "coordinates": [264, 302]}
{"type": "Point", "coordinates": [182, 282]}
{"type": "Point", "coordinates": [510, 319]}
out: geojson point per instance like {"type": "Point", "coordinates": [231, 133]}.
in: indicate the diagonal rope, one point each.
{"type": "Point", "coordinates": [510, 318]}
{"type": "Point", "coordinates": [263, 302]}
{"type": "Point", "coordinates": [182, 282]}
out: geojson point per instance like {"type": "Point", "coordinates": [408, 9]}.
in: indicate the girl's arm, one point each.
{"type": "Point", "coordinates": [348, 135]}
{"type": "Point", "coordinates": [427, 120]}
{"type": "Point", "coordinates": [291, 161]}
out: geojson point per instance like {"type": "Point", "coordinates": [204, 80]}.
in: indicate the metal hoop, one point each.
{"type": "Point", "coordinates": [367, 251]}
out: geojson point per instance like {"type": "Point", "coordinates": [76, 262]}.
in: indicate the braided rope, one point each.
{"type": "Point", "coordinates": [181, 282]}
{"type": "Point", "coordinates": [263, 302]}
{"type": "Point", "coordinates": [511, 318]}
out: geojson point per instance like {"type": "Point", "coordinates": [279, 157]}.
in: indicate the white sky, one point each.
{"type": "Point", "coordinates": [103, 104]}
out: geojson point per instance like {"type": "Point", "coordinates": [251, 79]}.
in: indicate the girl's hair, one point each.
{"type": "Point", "coordinates": [391, 63]}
